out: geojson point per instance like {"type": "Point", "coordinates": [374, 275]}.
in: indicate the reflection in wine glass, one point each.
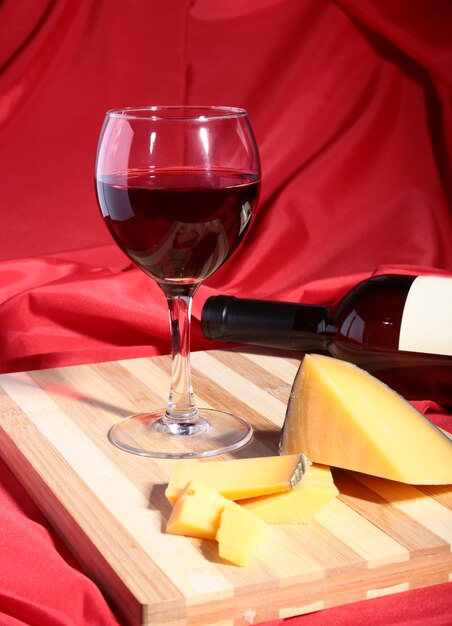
{"type": "Point", "coordinates": [180, 248]}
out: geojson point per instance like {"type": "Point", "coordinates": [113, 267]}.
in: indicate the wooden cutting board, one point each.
{"type": "Point", "coordinates": [377, 538]}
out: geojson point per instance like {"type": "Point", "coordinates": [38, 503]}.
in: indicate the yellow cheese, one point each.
{"type": "Point", "coordinates": [239, 534]}
{"type": "Point", "coordinates": [238, 478]}
{"type": "Point", "coordinates": [299, 505]}
{"type": "Point", "coordinates": [340, 415]}
{"type": "Point", "coordinates": [202, 512]}
{"type": "Point", "coordinates": [197, 512]}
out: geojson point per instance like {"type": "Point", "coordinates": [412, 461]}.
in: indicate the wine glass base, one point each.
{"type": "Point", "coordinates": [153, 434]}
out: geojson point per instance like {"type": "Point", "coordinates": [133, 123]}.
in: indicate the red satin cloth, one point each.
{"type": "Point", "coordinates": [351, 106]}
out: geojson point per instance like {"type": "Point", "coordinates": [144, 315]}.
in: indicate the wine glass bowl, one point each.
{"type": "Point", "coordinates": [177, 187]}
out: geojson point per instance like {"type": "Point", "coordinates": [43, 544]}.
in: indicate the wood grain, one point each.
{"type": "Point", "coordinates": [379, 537]}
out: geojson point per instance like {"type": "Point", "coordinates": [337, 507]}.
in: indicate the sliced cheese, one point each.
{"type": "Point", "coordinates": [342, 416]}
{"type": "Point", "coordinates": [238, 478]}
{"type": "Point", "coordinates": [203, 512]}
{"type": "Point", "coordinates": [239, 534]}
{"type": "Point", "coordinates": [299, 505]}
{"type": "Point", "coordinates": [197, 512]}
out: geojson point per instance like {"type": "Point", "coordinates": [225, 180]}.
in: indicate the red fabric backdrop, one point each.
{"type": "Point", "coordinates": [351, 105]}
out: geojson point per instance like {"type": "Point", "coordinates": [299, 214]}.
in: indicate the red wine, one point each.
{"type": "Point", "coordinates": [399, 328]}
{"type": "Point", "coordinates": [178, 225]}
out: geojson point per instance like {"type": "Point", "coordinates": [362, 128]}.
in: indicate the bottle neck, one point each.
{"type": "Point", "coordinates": [301, 327]}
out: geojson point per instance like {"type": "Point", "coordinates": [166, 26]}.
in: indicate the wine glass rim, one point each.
{"type": "Point", "coordinates": [182, 112]}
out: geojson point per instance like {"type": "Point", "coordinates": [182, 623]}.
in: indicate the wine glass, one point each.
{"type": "Point", "coordinates": [177, 187]}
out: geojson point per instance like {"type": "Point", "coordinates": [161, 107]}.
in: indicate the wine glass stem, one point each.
{"type": "Point", "coordinates": [181, 400]}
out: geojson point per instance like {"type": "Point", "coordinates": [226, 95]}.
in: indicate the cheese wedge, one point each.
{"type": "Point", "coordinates": [299, 505]}
{"type": "Point", "coordinates": [239, 478]}
{"type": "Point", "coordinates": [197, 512]}
{"type": "Point", "coordinates": [340, 415]}
{"type": "Point", "coordinates": [239, 534]}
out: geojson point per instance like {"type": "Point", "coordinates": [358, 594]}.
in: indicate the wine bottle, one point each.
{"type": "Point", "coordinates": [397, 327]}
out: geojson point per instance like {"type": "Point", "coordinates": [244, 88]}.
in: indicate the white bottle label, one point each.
{"type": "Point", "coordinates": [427, 316]}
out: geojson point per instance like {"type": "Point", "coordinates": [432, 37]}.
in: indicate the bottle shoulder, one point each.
{"type": "Point", "coordinates": [379, 286]}
{"type": "Point", "coordinates": [371, 313]}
